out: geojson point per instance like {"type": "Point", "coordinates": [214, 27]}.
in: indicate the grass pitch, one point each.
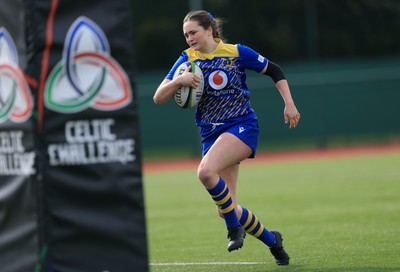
{"type": "Point", "coordinates": [339, 214]}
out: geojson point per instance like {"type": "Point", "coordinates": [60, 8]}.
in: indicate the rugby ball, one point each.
{"type": "Point", "coordinates": [187, 97]}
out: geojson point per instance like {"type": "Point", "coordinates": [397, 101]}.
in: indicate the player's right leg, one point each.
{"type": "Point", "coordinates": [220, 156]}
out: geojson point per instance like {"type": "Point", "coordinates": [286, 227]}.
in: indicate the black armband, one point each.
{"type": "Point", "coordinates": [274, 71]}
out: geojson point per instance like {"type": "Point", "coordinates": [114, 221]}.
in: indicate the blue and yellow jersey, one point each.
{"type": "Point", "coordinates": [226, 95]}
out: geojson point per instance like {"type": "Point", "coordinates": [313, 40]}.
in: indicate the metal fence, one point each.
{"type": "Point", "coordinates": [344, 99]}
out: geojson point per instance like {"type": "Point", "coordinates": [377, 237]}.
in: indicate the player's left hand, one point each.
{"type": "Point", "coordinates": [292, 116]}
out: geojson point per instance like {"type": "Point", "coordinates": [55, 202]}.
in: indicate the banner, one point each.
{"type": "Point", "coordinates": [18, 187]}
{"type": "Point", "coordinates": [81, 52]}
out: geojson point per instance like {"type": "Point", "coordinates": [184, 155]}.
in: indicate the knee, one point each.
{"type": "Point", "coordinates": [206, 175]}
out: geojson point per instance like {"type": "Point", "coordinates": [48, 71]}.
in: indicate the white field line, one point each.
{"type": "Point", "coordinates": [207, 263]}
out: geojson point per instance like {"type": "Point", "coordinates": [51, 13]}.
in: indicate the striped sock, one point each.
{"type": "Point", "coordinates": [254, 227]}
{"type": "Point", "coordinates": [222, 197]}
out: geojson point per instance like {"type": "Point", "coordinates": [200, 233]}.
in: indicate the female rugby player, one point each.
{"type": "Point", "coordinates": [228, 125]}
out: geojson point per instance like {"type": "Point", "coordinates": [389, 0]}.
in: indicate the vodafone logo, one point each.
{"type": "Point", "coordinates": [218, 80]}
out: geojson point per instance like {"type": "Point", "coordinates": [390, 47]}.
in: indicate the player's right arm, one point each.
{"type": "Point", "coordinates": [168, 87]}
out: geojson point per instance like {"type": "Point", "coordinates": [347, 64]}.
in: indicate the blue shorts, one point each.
{"type": "Point", "coordinates": [245, 128]}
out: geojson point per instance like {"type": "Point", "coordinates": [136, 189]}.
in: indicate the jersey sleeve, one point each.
{"type": "Point", "coordinates": [251, 59]}
{"type": "Point", "coordinates": [182, 58]}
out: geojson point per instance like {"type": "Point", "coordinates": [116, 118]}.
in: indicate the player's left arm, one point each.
{"type": "Point", "coordinates": [291, 113]}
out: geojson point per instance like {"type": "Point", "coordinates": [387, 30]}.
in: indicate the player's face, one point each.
{"type": "Point", "coordinates": [196, 36]}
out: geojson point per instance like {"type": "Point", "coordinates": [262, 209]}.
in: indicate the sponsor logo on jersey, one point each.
{"type": "Point", "coordinates": [218, 80]}
{"type": "Point", "coordinates": [87, 76]}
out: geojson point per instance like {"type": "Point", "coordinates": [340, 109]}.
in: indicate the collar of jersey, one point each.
{"type": "Point", "coordinates": [222, 50]}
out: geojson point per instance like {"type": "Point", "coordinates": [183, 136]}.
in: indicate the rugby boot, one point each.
{"type": "Point", "coordinates": [235, 238]}
{"type": "Point", "coordinates": [281, 257]}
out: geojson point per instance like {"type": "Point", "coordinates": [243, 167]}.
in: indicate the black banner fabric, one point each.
{"type": "Point", "coordinates": [81, 52]}
{"type": "Point", "coordinates": [18, 209]}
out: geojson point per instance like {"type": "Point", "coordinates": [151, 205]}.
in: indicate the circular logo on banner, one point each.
{"type": "Point", "coordinates": [218, 80]}
{"type": "Point", "coordinates": [16, 102]}
{"type": "Point", "coordinates": [87, 76]}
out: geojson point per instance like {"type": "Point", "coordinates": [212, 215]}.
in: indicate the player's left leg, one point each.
{"type": "Point", "coordinates": [250, 222]}
{"type": "Point", "coordinates": [247, 219]}
{"type": "Point", "coordinates": [273, 239]}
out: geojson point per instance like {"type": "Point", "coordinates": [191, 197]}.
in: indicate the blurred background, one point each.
{"type": "Point", "coordinates": [341, 58]}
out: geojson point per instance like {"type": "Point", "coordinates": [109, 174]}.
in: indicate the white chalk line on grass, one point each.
{"type": "Point", "coordinates": [207, 263]}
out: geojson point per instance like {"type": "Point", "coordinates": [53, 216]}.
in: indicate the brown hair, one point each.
{"type": "Point", "coordinates": [206, 19]}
